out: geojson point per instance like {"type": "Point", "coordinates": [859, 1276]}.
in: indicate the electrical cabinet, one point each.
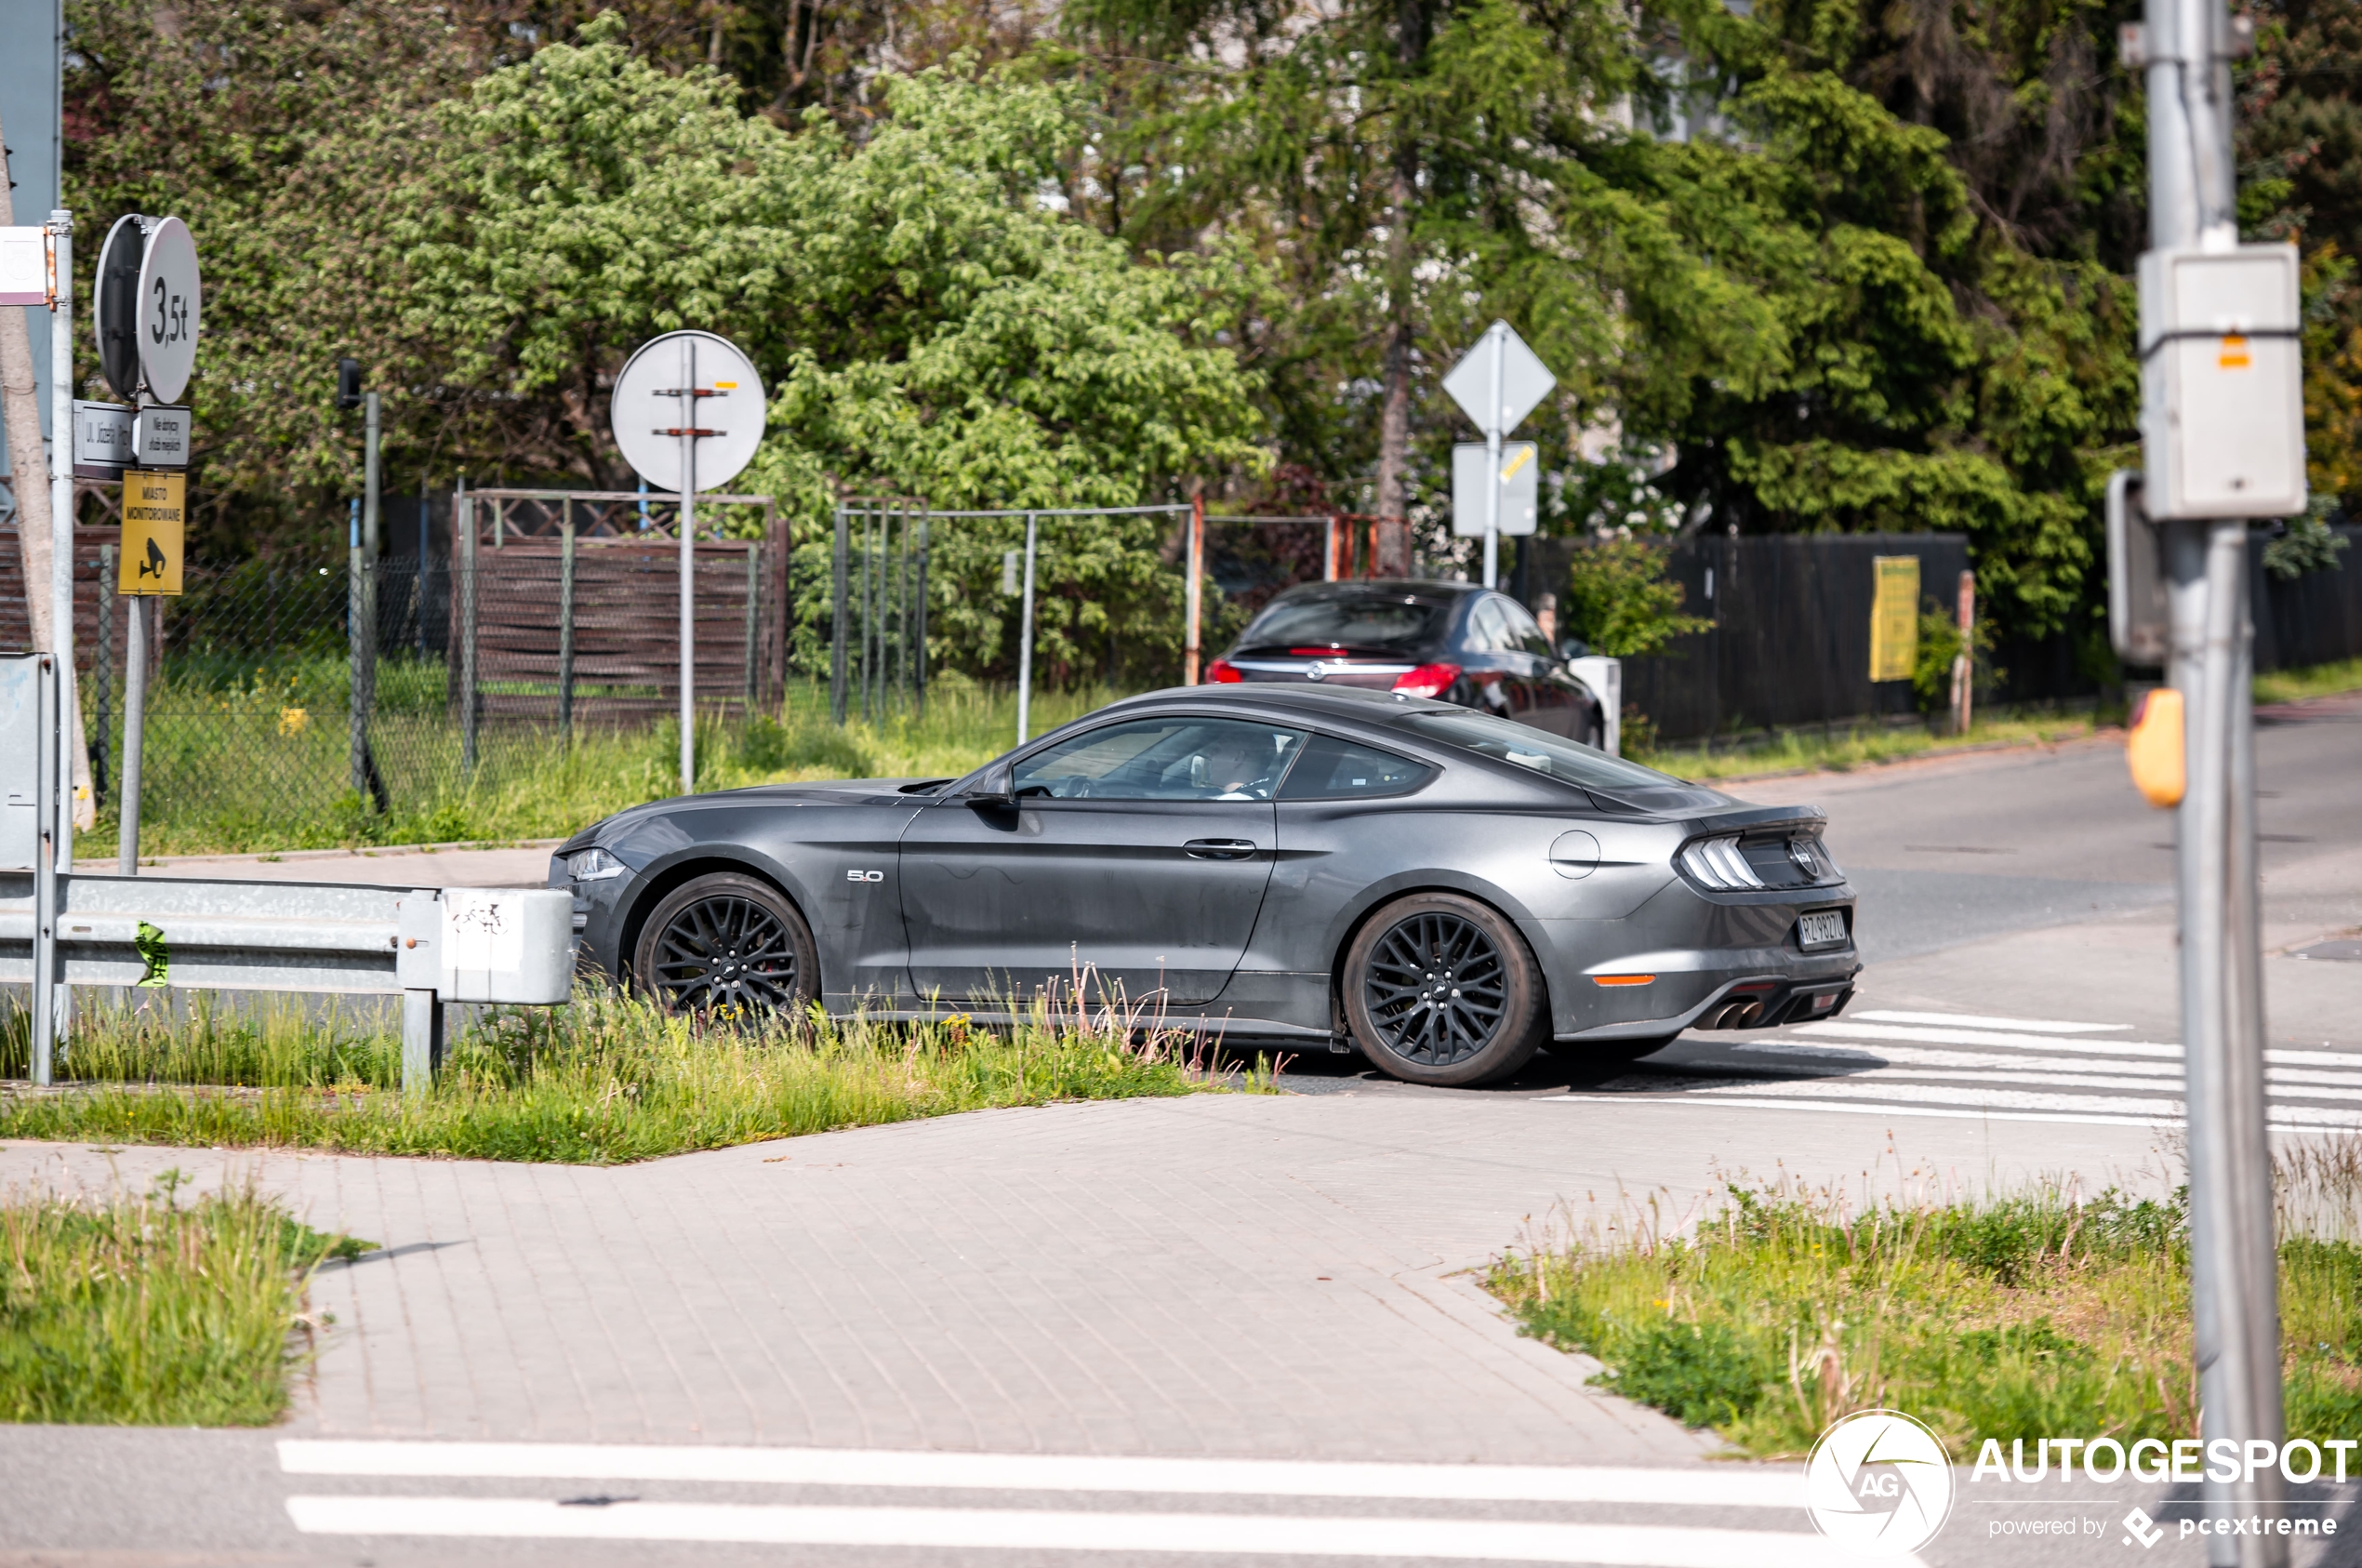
{"type": "Point", "coordinates": [2222, 394]}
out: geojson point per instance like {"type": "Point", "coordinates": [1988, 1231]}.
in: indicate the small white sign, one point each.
{"type": "Point", "coordinates": [103, 439]}
{"type": "Point", "coordinates": [482, 930]}
{"type": "Point", "coordinates": [1520, 489]}
{"type": "Point", "coordinates": [24, 266]}
{"type": "Point", "coordinates": [161, 437]}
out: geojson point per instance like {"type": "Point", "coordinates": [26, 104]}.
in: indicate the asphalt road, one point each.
{"type": "Point", "coordinates": [2018, 1014]}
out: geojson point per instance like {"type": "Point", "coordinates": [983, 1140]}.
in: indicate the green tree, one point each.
{"type": "Point", "coordinates": [1619, 601]}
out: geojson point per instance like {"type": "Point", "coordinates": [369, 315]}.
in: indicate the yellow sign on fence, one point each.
{"type": "Point", "coordinates": [155, 507]}
{"type": "Point", "coordinates": [1894, 618]}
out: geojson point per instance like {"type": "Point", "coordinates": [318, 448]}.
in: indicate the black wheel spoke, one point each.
{"type": "Point", "coordinates": [728, 954]}
{"type": "Point", "coordinates": [1437, 987]}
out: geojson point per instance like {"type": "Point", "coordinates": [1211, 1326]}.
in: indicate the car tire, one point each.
{"type": "Point", "coordinates": [728, 945]}
{"type": "Point", "coordinates": [1441, 989]}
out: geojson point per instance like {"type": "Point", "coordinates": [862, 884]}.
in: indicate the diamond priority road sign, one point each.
{"type": "Point", "coordinates": [1498, 382]}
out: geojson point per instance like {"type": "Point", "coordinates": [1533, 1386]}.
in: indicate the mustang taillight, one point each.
{"type": "Point", "coordinates": [1222, 673]}
{"type": "Point", "coordinates": [1428, 680]}
{"type": "Point", "coordinates": [1719, 864]}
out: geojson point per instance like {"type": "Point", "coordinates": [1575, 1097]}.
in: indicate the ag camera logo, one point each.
{"type": "Point", "coordinates": [1879, 1484]}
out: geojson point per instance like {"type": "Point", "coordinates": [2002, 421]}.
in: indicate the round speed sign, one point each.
{"type": "Point", "coordinates": [166, 324]}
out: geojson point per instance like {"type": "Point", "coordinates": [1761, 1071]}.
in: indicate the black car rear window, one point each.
{"type": "Point", "coordinates": [1546, 754]}
{"type": "Point", "coordinates": [1330, 769]}
{"type": "Point", "coordinates": [1373, 623]}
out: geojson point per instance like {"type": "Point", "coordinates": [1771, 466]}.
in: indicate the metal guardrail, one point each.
{"type": "Point", "coordinates": [61, 928]}
{"type": "Point", "coordinates": [429, 946]}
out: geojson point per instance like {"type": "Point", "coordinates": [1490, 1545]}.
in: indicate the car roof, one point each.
{"type": "Point", "coordinates": [1342, 702]}
{"type": "Point", "coordinates": [1380, 587]}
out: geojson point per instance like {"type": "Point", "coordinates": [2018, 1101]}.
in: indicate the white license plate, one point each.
{"type": "Point", "coordinates": [1824, 928]}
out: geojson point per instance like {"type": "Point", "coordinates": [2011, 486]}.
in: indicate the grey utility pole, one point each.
{"type": "Point", "coordinates": [2217, 337]}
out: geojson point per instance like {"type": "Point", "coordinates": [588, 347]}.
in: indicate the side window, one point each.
{"type": "Point", "coordinates": [1488, 629]}
{"type": "Point", "coordinates": [1526, 629]}
{"type": "Point", "coordinates": [1175, 759]}
{"type": "Point", "coordinates": [1341, 770]}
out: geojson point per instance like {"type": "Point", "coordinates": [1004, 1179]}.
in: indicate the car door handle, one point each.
{"type": "Point", "coordinates": [1219, 849]}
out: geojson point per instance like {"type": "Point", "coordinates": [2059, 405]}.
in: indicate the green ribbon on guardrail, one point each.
{"type": "Point", "coordinates": [149, 944]}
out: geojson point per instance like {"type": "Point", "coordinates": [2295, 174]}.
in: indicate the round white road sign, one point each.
{"type": "Point", "coordinates": [168, 316]}
{"type": "Point", "coordinates": [692, 393]}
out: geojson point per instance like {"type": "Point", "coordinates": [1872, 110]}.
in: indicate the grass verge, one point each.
{"type": "Point", "coordinates": [2319, 680]}
{"type": "Point", "coordinates": [1840, 751]}
{"type": "Point", "coordinates": [605, 1080]}
{"type": "Point", "coordinates": [144, 1312]}
{"type": "Point", "coordinates": [2023, 1317]}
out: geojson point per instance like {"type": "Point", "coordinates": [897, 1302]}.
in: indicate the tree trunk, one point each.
{"type": "Point", "coordinates": [28, 480]}
{"type": "Point", "coordinates": [1413, 26]}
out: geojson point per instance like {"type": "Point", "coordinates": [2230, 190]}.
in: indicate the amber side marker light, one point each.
{"type": "Point", "coordinates": [1622, 979]}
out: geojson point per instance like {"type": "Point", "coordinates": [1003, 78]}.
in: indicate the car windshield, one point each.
{"type": "Point", "coordinates": [1548, 754]}
{"type": "Point", "coordinates": [1378, 624]}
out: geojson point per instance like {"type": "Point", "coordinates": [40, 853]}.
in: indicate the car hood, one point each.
{"type": "Point", "coordinates": [825, 791]}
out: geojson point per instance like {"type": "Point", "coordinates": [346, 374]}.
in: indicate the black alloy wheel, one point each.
{"type": "Point", "coordinates": [727, 945]}
{"type": "Point", "coordinates": [1441, 989]}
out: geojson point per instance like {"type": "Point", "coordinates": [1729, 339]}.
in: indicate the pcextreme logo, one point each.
{"type": "Point", "coordinates": [1879, 1484]}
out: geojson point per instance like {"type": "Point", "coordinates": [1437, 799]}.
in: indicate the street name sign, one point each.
{"type": "Point", "coordinates": [103, 439]}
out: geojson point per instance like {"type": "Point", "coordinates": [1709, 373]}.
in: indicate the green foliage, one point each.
{"type": "Point", "coordinates": [2308, 545]}
{"type": "Point", "coordinates": [1940, 644]}
{"type": "Point", "coordinates": [145, 1311]}
{"type": "Point", "coordinates": [1620, 602]}
{"type": "Point", "coordinates": [605, 1080]}
{"type": "Point", "coordinates": [2016, 1317]}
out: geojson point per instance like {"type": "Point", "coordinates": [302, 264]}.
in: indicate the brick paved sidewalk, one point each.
{"type": "Point", "coordinates": [1267, 1276]}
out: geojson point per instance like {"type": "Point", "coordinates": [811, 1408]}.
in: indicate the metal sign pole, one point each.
{"type": "Point", "coordinates": [838, 626]}
{"type": "Point", "coordinates": [1492, 463]}
{"type": "Point", "coordinates": [1194, 591]}
{"type": "Point", "coordinates": [1025, 642]}
{"type": "Point", "coordinates": [61, 522]}
{"type": "Point", "coordinates": [688, 565]}
{"type": "Point", "coordinates": [48, 1025]}
{"type": "Point", "coordinates": [2234, 1262]}
{"type": "Point", "coordinates": [135, 734]}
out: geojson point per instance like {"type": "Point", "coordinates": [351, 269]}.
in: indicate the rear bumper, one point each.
{"type": "Point", "coordinates": [1709, 964]}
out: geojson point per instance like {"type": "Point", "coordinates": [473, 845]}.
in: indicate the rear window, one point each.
{"type": "Point", "coordinates": [1377, 624]}
{"type": "Point", "coordinates": [1548, 754]}
{"type": "Point", "coordinates": [1330, 769]}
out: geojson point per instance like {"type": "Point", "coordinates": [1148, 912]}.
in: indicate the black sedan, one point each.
{"type": "Point", "coordinates": [1452, 641]}
{"type": "Point", "coordinates": [1443, 890]}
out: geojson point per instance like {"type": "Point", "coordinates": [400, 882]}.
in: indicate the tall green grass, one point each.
{"type": "Point", "coordinates": [260, 760]}
{"type": "Point", "coordinates": [2025, 1316]}
{"type": "Point", "coordinates": [608, 1079]}
{"type": "Point", "coordinates": [149, 1311]}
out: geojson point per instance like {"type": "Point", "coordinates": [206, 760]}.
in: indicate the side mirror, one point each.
{"type": "Point", "coordinates": [994, 788]}
{"type": "Point", "coordinates": [1574, 647]}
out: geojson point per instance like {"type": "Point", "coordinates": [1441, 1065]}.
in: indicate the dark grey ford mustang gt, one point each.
{"type": "Point", "coordinates": [1445, 890]}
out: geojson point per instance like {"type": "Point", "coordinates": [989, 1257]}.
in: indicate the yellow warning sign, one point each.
{"type": "Point", "coordinates": [154, 510]}
{"type": "Point", "coordinates": [1894, 618]}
